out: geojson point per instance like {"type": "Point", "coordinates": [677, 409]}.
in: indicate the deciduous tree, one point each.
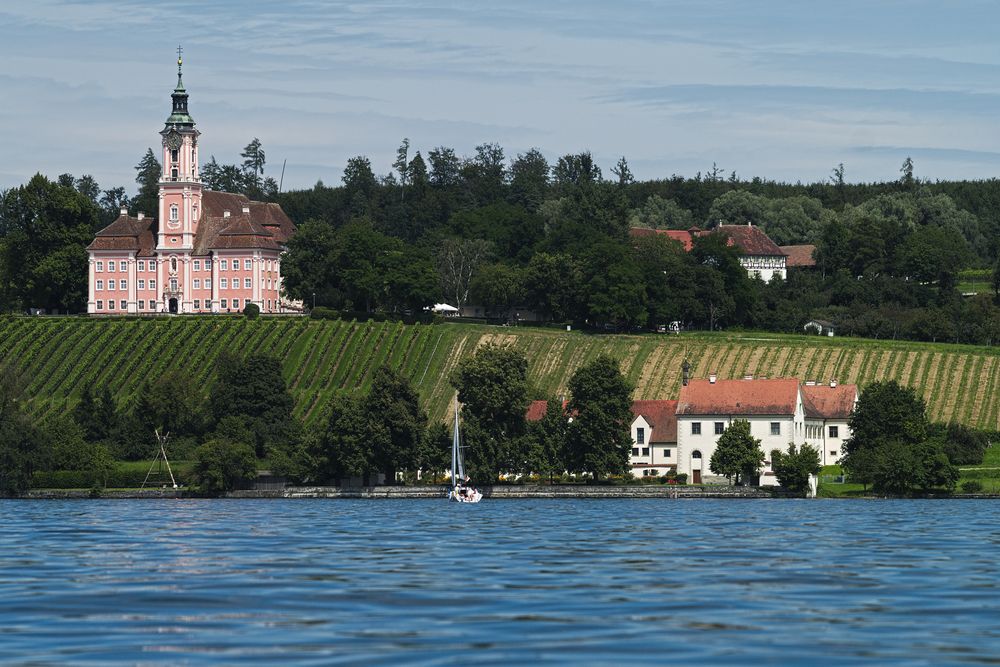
{"type": "Point", "coordinates": [737, 454]}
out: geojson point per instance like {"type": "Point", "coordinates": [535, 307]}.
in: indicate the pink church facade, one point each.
{"type": "Point", "coordinates": [204, 252]}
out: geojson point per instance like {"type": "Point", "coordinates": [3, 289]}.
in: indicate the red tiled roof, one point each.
{"type": "Point", "coordinates": [128, 234]}
{"type": "Point", "coordinates": [685, 237]}
{"type": "Point", "coordinates": [749, 239]}
{"type": "Point", "coordinates": [828, 402]}
{"type": "Point", "coordinates": [536, 410]}
{"type": "Point", "coordinates": [661, 417]}
{"type": "Point", "coordinates": [739, 397]}
{"type": "Point", "coordinates": [799, 255]}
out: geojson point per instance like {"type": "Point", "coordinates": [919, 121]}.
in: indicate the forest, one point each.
{"type": "Point", "coordinates": [517, 232]}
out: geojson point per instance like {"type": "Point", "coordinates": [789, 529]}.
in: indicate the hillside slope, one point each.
{"type": "Point", "coordinates": [320, 358]}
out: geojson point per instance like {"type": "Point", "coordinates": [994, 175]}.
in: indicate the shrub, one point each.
{"type": "Point", "coordinates": [223, 466]}
{"type": "Point", "coordinates": [322, 313]}
{"type": "Point", "coordinates": [251, 311]}
{"type": "Point", "coordinates": [972, 486]}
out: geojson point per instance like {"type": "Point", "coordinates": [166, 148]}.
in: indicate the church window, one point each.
{"type": "Point", "coordinates": [111, 266]}
{"type": "Point", "coordinates": [173, 155]}
{"type": "Point", "coordinates": [223, 264]}
{"type": "Point", "coordinates": [194, 209]}
{"type": "Point", "coordinates": [122, 305]}
{"type": "Point", "coordinates": [246, 264]}
{"type": "Point", "coordinates": [142, 304]}
{"type": "Point", "coordinates": [197, 283]}
{"type": "Point", "coordinates": [123, 266]}
{"type": "Point", "coordinates": [197, 265]}
{"type": "Point", "coordinates": [142, 265]}
{"type": "Point", "coordinates": [246, 283]}
{"type": "Point", "coordinates": [100, 305]}
{"type": "Point", "coordinates": [142, 284]}
{"type": "Point", "coordinates": [152, 284]}
{"type": "Point", "coordinates": [173, 212]}
{"type": "Point", "coordinates": [173, 263]}
{"type": "Point", "coordinates": [173, 174]}
{"type": "Point", "coordinates": [223, 283]}
{"type": "Point", "coordinates": [173, 284]}
{"type": "Point", "coordinates": [222, 303]}
{"type": "Point", "coordinates": [197, 304]}
{"type": "Point", "coordinates": [123, 284]}
{"type": "Point", "coordinates": [100, 267]}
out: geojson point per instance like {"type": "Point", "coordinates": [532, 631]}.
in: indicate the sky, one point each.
{"type": "Point", "coordinates": [780, 89]}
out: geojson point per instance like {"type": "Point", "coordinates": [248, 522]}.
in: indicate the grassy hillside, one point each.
{"type": "Point", "coordinates": [60, 355]}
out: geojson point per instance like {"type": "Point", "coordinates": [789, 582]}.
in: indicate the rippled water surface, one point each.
{"type": "Point", "coordinates": [504, 582]}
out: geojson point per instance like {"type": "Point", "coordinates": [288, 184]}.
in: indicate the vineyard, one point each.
{"type": "Point", "coordinates": [59, 356]}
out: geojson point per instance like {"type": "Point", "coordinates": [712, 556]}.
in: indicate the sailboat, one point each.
{"type": "Point", "coordinates": [460, 491]}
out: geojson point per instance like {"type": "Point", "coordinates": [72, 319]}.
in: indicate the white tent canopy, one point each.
{"type": "Point", "coordinates": [444, 308]}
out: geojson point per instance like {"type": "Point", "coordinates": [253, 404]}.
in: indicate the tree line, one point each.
{"type": "Point", "coordinates": [522, 233]}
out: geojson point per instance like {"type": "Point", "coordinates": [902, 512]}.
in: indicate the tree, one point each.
{"type": "Point", "coordinates": [890, 446]}
{"type": "Point", "coordinates": [402, 166]}
{"type": "Point", "coordinates": [254, 390]}
{"type": "Point", "coordinates": [253, 165]}
{"type": "Point", "coordinates": [498, 287]}
{"type": "Point", "coordinates": [906, 179]}
{"type": "Point", "coordinates": [738, 207]}
{"type": "Point", "coordinates": [221, 466]}
{"type": "Point", "coordinates": [529, 179]}
{"type": "Point", "coordinates": [45, 228]}
{"type": "Point", "coordinates": [996, 280]}
{"type": "Point", "coordinates": [660, 213]}
{"type": "Point", "coordinates": [598, 440]}
{"type": "Point", "coordinates": [547, 441]}
{"type": "Point", "coordinates": [458, 261]}
{"type": "Point", "coordinates": [95, 413]}
{"type": "Point", "coordinates": [342, 450]}
{"type": "Point", "coordinates": [623, 173]}
{"type": "Point", "coordinates": [445, 167]}
{"type": "Point", "coordinates": [737, 454]}
{"type": "Point", "coordinates": [492, 387]}
{"type": "Point", "coordinates": [20, 441]}
{"type": "Point", "coordinates": [793, 468]}
{"type": "Point", "coordinates": [396, 421]}
{"type": "Point", "coordinates": [148, 173]}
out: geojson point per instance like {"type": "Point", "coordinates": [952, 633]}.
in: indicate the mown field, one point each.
{"type": "Point", "coordinates": [321, 358]}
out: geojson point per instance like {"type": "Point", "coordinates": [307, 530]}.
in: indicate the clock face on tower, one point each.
{"type": "Point", "coordinates": [173, 141]}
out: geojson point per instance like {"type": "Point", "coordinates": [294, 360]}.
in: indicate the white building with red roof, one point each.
{"type": "Point", "coordinates": [203, 252]}
{"type": "Point", "coordinates": [759, 255]}
{"type": "Point", "coordinates": [780, 411]}
{"type": "Point", "coordinates": [654, 438]}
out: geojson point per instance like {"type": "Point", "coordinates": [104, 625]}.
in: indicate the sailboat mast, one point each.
{"type": "Point", "coordinates": [454, 448]}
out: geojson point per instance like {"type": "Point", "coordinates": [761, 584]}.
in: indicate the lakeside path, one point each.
{"type": "Point", "coordinates": [415, 492]}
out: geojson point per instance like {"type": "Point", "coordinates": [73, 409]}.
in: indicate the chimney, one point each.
{"type": "Point", "coordinates": [246, 209]}
{"type": "Point", "coordinates": [123, 211]}
{"type": "Point", "coordinates": [810, 383]}
{"type": "Point", "coordinates": [833, 383]}
{"type": "Point", "coordinates": [225, 214]}
{"type": "Point", "coordinates": [686, 369]}
{"type": "Point", "coordinates": [141, 215]}
{"type": "Point", "coordinates": [711, 377]}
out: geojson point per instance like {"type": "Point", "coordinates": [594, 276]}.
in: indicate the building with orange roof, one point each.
{"type": "Point", "coordinates": [654, 438]}
{"type": "Point", "coordinates": [780, 411]}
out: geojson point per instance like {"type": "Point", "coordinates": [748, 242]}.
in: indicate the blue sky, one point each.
{"type": "Point", "coordinates": [782, 89]}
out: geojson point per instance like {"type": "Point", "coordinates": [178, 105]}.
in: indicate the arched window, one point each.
{"type": "Point", "coordinates": [173, 263]}
{"type": "Point", "coordinates": [696, 454]}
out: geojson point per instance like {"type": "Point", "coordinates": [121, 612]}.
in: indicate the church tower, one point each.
{"type": "Point", "coordinates": [180, 196]}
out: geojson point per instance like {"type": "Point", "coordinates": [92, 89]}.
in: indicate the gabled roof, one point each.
{"type": "Point", "coordinates": [661, 417]}
{"type": "Point", "coordinates": [684, 236]}
{"type": "Point", "coordinates": [739, 397]}
{"type": "Point", "coordinates": [750, 240]}
{"type": "Point", "coordinates": [536, 410]}
{"type": "Point", "coordinates": [825, 402]}
{"type": "Point", "coordinates": [128, 234]}
{"type": "Point", "coordinates": [799, 255]}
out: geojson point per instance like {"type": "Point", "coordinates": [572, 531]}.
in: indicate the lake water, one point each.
{"type": "Point", "coordinates": [504, 582]}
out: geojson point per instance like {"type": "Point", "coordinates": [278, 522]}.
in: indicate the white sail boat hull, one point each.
{"type": "Point", "coordinates": [460, 493]}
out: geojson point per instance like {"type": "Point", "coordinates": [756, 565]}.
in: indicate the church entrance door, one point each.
{"type": "Point", "coordinates": [173, 306]}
